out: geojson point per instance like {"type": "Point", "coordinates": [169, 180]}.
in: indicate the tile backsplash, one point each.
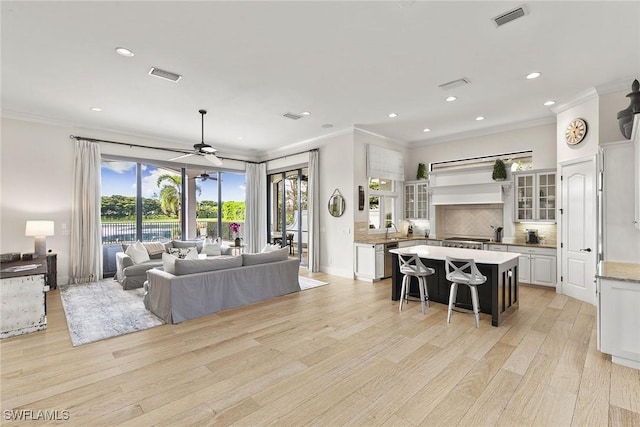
{"type": "Point", "coordinates": [468, 220]}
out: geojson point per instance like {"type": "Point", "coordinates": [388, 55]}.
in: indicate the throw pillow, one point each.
{"type": "Point", "coordinates": [270, 248]}
{"type": "Point", "coordinates": [138, 253]}
{"type": "Point", "coordinates": [169, 259]}
{"type": "Point", "coordinates": [184, 253]}
{"type": "Point", "coordinates": [188, 244]}
{"type": "Point", "coordinates": [211, 248]}
{"type": "Point", "coordinates": [154, 249]}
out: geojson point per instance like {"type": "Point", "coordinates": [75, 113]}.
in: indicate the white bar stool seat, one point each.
{"type": "Point", "coordinates": [464, 272]}
{"type": "Point", "coordinates": [411, 266]}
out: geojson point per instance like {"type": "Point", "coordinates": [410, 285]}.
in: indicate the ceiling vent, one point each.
{"type": "Point", "coordinates": [167, 75]}
{"type": "Point", "coordinates": [509, 16]}
{"type": "Point", "coordinates": [292, 116]}
{"type": "Point", "coordinates": [454, 84]}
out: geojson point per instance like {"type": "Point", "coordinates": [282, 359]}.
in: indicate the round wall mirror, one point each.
{"type": "Point", "coordinates": [336, 204]}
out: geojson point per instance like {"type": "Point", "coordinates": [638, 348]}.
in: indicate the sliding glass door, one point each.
{"type": "Point", "coordinates": [287, 211]}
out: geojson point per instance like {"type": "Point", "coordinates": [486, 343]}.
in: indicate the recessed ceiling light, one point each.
{"type": "Point", "coordinates": [124, 51]}
{"type": "Point", "coordinates": [95, 109]}
{"type": "Point", "coordinates": [327, 125]}
{"type": "Point", "coordinates": [450, 98]}
{"type": "Point", "coordinates": [240, 138]}
{"type": "Point", "coordinates": [426, 130]}
{"type": "Point", "coordinates": [480, 118]}
{"type": "Point", "coordinates": [393, 115]}
{"type": "Point", "coordinates": [533, 75]}
{"type": "Point", "coordinates": [550, 102]}
{"type": "Point", "coordinates": [306, 113]}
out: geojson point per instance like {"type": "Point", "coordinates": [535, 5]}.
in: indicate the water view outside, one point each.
{"type": "Point", "coordinates": [161, 197]}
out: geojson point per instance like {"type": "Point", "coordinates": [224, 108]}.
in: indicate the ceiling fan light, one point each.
{"type": "Point", "coordinates": [207, 149]}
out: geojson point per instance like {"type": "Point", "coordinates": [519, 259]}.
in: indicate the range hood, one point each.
{"type": "Point", "coordinates": [467, 194]}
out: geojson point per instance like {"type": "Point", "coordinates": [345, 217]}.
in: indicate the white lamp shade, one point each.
{"type": "Point", "coordinates": [39, 228]}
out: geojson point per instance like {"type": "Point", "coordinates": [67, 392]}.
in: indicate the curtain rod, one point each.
{"type": "Point", "coordinates": [176, 150]}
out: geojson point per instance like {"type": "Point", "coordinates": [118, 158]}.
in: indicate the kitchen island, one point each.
{"type": "Point", "coordinates": [498, 296]}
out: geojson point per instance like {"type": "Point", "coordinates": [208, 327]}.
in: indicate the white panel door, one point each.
{"type": "Point", "coordinates": [579, 230]}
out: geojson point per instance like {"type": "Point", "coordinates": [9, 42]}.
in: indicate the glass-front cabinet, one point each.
{"type": "Point", "coordinates": [535, 196]}
{"type": "Point", "coordinates": [416, 200]}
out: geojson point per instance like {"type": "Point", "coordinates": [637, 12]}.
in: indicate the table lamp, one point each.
{"type": "Point", "coordinates": [39, 230]}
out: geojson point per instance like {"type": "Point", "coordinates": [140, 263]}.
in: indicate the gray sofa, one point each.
{"type": "Point", "coordinates": [132, 276]}
{"type": "Point", "coordinates": [202, 287]}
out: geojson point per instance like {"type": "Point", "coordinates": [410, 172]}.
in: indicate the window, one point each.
{"type": "Point", "coordinates": [219, 202]}
{"type": "Point", "coordinates": [139, 202]}
{"type": "Point", "coordinates": [383, 199]}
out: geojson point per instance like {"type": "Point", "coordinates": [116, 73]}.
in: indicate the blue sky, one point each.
{"type": "Point", "coordinates": [120, 178]}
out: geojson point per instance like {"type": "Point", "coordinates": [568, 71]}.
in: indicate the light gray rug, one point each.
{"type": "Point", "coordinates": [307, 283]}
{"type": "Point", "coordinates": [100, 310]}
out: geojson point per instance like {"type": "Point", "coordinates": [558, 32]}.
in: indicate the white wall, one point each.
{"type": "Point", "coordinates": [336, 162]}
{"type": "Point", "coordinates": [540, 139]}
{"type": "Point", "coordinates": [589, 112]}
{"type": "Point", "coordinates": [36, 183]}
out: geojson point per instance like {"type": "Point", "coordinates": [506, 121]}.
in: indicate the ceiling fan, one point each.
{"type": "Point", "coordinates": [202, 148]}
{"type": "Point", "coordinates": [204, 176]}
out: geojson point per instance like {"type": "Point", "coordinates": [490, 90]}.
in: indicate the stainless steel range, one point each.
{"type": "Point", "coordinates": [464, 242]}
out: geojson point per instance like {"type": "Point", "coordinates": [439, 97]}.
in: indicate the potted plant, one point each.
{"type": "Point", "coordinates": [235, 228]}
{"type": "Point", "coordinates": [499, 171]}
{"type": "Point", "coordinates": [422, 171]}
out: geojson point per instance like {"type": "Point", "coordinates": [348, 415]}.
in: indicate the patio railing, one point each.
{"type": "Point", "coordinates": [125, 232]}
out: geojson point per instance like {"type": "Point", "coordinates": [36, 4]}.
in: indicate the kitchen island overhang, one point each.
{"type": "Point", "coordinates": [498, 297]}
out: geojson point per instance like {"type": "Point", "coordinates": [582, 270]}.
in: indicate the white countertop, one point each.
{"type": "Point", "coordinates": [441, 253]}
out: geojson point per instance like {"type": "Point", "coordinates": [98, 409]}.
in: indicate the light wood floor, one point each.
{"type": "Point", "coordinates": [335, 355]}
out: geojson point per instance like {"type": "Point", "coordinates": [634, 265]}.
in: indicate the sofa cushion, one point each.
{"type": "Point", "coordinates": [211, 248]}
{"type": "Point", "coordinates": [262, 258]}
{"type": "Point", "coordinates": [138, 253]}
{"type": "Point", "coordinates": [188, 244]}
{"type": "Point", "coordinates": [155, 249]}
{"type": "Point", "coordinates": [192, 266]}
{"type": "Point", "coordinates": [169, 260]}
{"type": "Point", "coordinates": [141, 269]}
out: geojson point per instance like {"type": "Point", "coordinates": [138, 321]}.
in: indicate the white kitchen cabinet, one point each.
{"type": "Point", "coordinates": [416, 200]}
{"type": "Point", "coordinates": [535, 196]}
{"type": "Point", "coordinates": [536, 265]}
{"type": "Point", "coordinates": [497, 248]}
{"type": "Point", "coordinates": [368, 261]}
{"type": "Point", "coordinates": [619, 321]}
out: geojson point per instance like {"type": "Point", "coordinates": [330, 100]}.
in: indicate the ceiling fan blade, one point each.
{"type": "Point", "coordinates": [213, 159]}
{"type": "Point", "coordinates": [181, 156]}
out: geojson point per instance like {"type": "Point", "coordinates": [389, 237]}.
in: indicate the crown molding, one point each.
{"type": "Point", "coordinates": [485, 131]}
{"type": "Point", "coordinates": [620, 85]}
{"type": "Point", "coordinates": [579, 99]}
{"type": "Point", "coordinates": [397, 142]}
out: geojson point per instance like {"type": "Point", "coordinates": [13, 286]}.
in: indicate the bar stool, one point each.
{"type": "Point", "coordinates": [411, 266]}
{"type": "Point", "coordinates": [464, 272]}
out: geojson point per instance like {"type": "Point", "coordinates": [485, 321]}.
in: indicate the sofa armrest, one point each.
{"type": "Point", "coordinates": [157, 298]}
{"type": "Point", "coordinates": [123, 260]}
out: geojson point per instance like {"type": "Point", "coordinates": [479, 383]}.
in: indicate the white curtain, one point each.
{"type": "Point", "coordinates": [86, 233]}
{"type": "Point", "coordinates": [313, 200]}
{"type": "Point", "coordinates": [255, 236]}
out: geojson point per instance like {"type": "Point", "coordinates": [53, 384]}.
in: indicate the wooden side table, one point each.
{"type": "Point", "coordinates": [52, 271]}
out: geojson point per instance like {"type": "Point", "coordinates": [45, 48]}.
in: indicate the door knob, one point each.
{"type": "Point", "coordinates": [585, 250]}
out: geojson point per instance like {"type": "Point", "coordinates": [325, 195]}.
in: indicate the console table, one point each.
{"type": "Point", "coordinates": [22, 293]}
